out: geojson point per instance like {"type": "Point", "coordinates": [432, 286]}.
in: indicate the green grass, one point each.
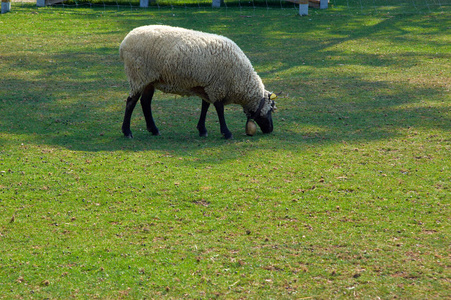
{"type": "Point", "coordinates": [348, 197]}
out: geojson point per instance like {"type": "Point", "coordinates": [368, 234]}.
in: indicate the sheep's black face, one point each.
{"type": "Point", "coordinates": [265, 122]}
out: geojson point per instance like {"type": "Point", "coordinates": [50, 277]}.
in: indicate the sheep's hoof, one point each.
{"type": "Point", "coordinates": [128, 134]}
{"type": "Point", "coordinates": [228, 135]}
{"type": "Point", "coordinates": [153, 130]}
{"type": "Point", "coordinates": [202, 131]}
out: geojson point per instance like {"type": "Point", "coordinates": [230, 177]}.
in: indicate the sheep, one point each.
{"type": "Point", "coordinates": [192, 63]}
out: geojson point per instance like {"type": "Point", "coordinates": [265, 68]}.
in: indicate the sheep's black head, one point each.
{"type": "Point", "coordinates": [263, 114]}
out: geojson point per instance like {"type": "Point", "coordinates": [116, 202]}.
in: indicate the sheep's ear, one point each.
{"type": "Point", "coordinates": [272, 96]}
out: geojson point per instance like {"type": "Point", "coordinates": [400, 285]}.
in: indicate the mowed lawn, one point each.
{"type": "Point", "coordinates": [349, 197]}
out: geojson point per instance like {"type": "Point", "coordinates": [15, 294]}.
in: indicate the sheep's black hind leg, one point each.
{"type": "Point", "coordinates": [146, 101]}
{"type": "Point", "coordinates": [220, 110]}
{"type": "Point", "coordinates": [203, 115]}
{"type": "Point", "coordinates": [129, 107]}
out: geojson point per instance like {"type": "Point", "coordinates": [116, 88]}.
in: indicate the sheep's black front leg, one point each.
{"type": "Point", "coordinates": [129, 107]}
{"type": "Point", "coordinates": [146, 104]}
{"type": "Point", "coordinates": [203, 115]}
{"type": "Point", "coordinates": [220, 110]}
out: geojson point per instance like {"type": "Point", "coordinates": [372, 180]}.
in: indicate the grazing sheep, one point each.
{"type": "Point", "coordinates": [192, 63]}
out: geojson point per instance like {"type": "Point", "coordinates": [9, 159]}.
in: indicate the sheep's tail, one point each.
{"type": "Point", "coordinates": [121, 53]}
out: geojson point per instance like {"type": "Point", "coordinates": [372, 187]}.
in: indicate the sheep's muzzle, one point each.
{"type": "Point", "coordinates": [265, 122]}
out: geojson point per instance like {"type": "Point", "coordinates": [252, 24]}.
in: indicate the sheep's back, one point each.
{"type": "Point", "coordinates": [177, 60]}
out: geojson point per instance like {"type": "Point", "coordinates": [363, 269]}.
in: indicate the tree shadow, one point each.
{"type": "Point", "coordinates": [75, 98]}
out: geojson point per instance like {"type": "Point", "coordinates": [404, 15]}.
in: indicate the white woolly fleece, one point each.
{"type": "Point", "coordinates": [187, 62]}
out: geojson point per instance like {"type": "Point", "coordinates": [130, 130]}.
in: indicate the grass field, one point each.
{"type": "Point", "coordinates": [349, 197]}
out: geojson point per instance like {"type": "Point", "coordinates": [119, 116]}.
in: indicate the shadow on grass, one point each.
{"type": "Point", "coordinates": [74, 98]}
